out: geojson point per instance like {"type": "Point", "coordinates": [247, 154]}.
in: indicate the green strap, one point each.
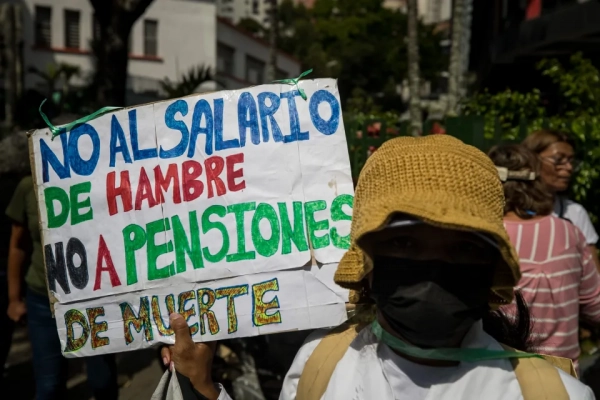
{"type": "Point", "coordinates": [295, 81]}
{"type": "Point", "coordinates": [65, 128]}
{"type": "Point", "coordinates": [463, 355]}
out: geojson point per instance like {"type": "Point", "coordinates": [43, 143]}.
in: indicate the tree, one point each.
{"type": "Point", "coordinates": [252, 26]}
{"type": "Point", "coordinates": [459, 55]}
{"type": "Point", "coordinates": [189, 82]}
{"type": "Point", "coordinates": [360, 43]}
{"type": "Point", "coordinates": [271, 70]}
{"type": "Point", "coordinates": [115, 19]}
{"type": "Point", "coordinates": [414, 81]}
{"type": "Point", "coordinates": [575, 108]}
{"type": "Point", "coordinates": [52, 75]}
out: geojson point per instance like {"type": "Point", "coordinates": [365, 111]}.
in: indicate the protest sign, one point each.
{"type": "Point", "coordinates": [231, 208]}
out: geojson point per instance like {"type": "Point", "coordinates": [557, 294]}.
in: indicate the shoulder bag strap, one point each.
{"type": "Point", "coordinates": [539, 379]}
{"type": "Point", "coordinates": [323, 360]}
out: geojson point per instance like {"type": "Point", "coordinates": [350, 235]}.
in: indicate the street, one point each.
{"type": "Point", "coordinates": [139, 373]}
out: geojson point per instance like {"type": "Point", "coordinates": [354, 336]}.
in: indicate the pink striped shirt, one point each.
{"type": "Point", "coordinates": [559, 282]}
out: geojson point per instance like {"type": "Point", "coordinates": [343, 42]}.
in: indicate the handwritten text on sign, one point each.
{"type": "Point", "coordinates": [207, 187]}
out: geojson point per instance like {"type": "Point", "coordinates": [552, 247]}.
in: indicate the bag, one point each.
{"type": "Point", "coordinates": [168, 388]}
{"type": "Point", "coordinates": [175, 386]}
{"type": "Point", "coordinates": [538, 378]}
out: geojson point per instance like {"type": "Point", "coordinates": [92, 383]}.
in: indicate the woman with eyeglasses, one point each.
{"type": "Point", "coordinates": [558, 278]}
{"type": "Point", "coordinates": [556, 150]}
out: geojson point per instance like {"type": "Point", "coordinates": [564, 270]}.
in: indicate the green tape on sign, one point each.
{"type": "Point", "coordinates": [462, 355]}
{"type": "Point", "coordinates": [65, 128]}
{"type": "Point", "coordinates": [294, 81]}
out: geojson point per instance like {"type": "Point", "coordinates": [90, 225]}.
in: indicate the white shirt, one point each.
{"type": "Point", "coordinates": [370, 370]}
{"type": "Point", "coordinates": [578, 215]}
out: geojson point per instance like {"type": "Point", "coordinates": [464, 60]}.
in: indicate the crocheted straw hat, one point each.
{"type": "Point", "coordinates": [441, 181]}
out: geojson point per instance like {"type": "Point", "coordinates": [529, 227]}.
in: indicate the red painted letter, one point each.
{"type": "Point", "coordinates": [233, 174]}
{"type": "Point", "coordinates": [192, 188]}
{"type": "Point", "coordinates": [214, 166]}
{"type": "Point", "coordinates": [104, 254]}
{"type": "Point", "coordinates": [144, 191]}
{"type": "Point", "coordinates": [124, 190]}
{"type": "Point", "coordinates": [163, 183]}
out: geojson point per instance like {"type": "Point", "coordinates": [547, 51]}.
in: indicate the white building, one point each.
{"type": "Point", "coordinates": [171, 37]}
{"type": "Point", "coordinates": [242, 58]}
{"type": "Point", "coordinates": [235, 10]}
{"type": "Point", "coordinates": [430, 11]}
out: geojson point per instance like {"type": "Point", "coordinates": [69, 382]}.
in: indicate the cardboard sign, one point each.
{"type": "Point", "coordinates": [231, 208]}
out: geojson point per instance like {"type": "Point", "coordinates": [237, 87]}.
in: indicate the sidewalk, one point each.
{"type": "Point", "coordinates": [139, 373]}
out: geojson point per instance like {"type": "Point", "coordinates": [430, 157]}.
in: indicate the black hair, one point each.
{"type": "Point", "coordinates": [514, 332]}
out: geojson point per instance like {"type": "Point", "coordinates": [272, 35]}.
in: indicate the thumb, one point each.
{"type": "Point", "coordinates": [181, 329]}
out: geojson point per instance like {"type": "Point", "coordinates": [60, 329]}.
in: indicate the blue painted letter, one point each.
{"type": "Point", "coordinates": [221, 144]}
{"type": "Point", "coordinates": [138, 154]}
{"type": "Point", "coordinates": [266, 114]}
{"type": "Point", "coordinates": [117, 134]}
{"type": "Point", "coordinates": [295, 133]}
{"type": "Point", "coordinates": [202, 108]}
{"type": "Point", "coordinates": [48, 157]}
{"type": "Point", "coordinates": [180, 106]}
{"type": "Point", "coordinates": [248, 118]}
{"type": "Point", "coordinates": [78, 164]}
{"type": "Point", "coordinates": [325, 127]}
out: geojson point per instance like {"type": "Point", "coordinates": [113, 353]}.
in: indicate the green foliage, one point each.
{"type": "Point", "coordinates": [360, 43]}
{"type": "Point", "coordinates": [189, 82]}
{"type": "Point", "coordinates": [54, 73]}
{"type": "Point", "coordinates": [511, 113]}
{"type": "Point", "coordinates": [577, 98]}
{"type": "Point", "coordinates": [250, 25]}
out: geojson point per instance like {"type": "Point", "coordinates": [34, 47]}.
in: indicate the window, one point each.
{"type": "Point", "coordinates": [150, 37]}
{"type": "Point", "coordinates": [71, 29]}
{"type": "Point", "coordinates": [255, 7]}
{"type": "Point", "coordinates": [255, 70]}
{"type": "Point", "coordinates": [43, 26]}
{"type": "Point", "coordinates": [225, 59]}
{"type": "Point", "coordinates": [95, 28]}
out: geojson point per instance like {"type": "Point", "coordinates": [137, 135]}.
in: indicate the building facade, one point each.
{"type": "Point", "coordinates": [509, 38]}
{"type": "Point", "coordinates": [171, 37]}
{"type": "Point", "coordinates": [235, 10]}
{"type": "Point", "coordinates": [242, 58]}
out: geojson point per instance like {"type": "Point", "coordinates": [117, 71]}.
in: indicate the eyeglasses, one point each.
{"type": "Point", "coordinates": [562, 161]}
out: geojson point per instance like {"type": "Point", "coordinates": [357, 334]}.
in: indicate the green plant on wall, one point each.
{"type": "Point", "coordinates": [577, 93]}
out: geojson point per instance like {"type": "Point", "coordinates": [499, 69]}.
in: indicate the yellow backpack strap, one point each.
{"type": "Point", "coordinates": [323, 360]}
{"type": "Point", "coordinates": [538, 377]}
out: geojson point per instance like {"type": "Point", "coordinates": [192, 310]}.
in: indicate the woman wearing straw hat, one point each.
{"type": "Point", "coordinates": [429, 249]}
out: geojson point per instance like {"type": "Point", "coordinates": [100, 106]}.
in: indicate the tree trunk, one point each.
{"type": "Point", "coordinates": [413, 70]}
{"type": "Point", "coordinates": [271, 70]}
{"type": "Point", "coordinates": [116, 18]}
{"type": "Point", "coordinates": [11, 24]}
{"type": "Point", "coordinates": [459, 55]}
{"type": "Point", "coordinates": [111, 70]}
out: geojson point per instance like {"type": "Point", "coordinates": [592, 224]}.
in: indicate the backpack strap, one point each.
{"type": "Point", "coordinates": [539, 378]}
{"type": "Point", "coordinates": [323, 360]}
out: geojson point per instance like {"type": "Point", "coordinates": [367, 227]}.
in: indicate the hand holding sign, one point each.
{"type": "Point", "coordinates": [193, 360]}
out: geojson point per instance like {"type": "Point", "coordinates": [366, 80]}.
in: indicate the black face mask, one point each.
{"type": "Point", "coordinates": [432, 304]}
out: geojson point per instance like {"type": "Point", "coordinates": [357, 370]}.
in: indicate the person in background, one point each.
{"type": "Point", "coordinates": [556, 150]}
{"type": "Point", "coordinates": [559, 280]}
{"type": "Point", "coordinates": [429, 248]}
{"type": "Point", "coordinates": [50, 367]}
{"type": "Point", "coordinates": [8, 181]}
